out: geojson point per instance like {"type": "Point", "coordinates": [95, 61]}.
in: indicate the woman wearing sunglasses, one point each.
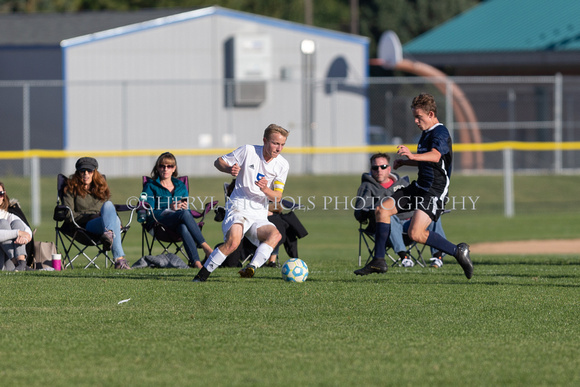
{"type": "Point", "coordinates": [87, 194]}
{"type": "Point", "coordinates": [168, 197]}
{"type": "Point", "coordinates": [14, 235]}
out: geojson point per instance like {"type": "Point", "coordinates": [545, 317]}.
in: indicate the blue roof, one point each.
{"type": "Point", "coordinates": [505, 26]}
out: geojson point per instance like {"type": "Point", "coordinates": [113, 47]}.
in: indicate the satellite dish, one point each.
{"type": "Point", "coordinates": [390, 50]}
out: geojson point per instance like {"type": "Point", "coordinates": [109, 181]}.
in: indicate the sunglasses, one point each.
{"type": "Point", "coordinates": [89, 171]}
{"type": "Point", "coordinates": [376, 167]}
{"type": "Point", "coordinates": [2, 193]}
{"type": "Point", "coordinates": [166, 166]}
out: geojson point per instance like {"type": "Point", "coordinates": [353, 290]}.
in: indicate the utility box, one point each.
{"type": "Point", "coordinates": [252, 58]}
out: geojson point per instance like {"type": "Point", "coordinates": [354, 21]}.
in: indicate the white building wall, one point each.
{"type": "Point", "coordinates": [160, 86]}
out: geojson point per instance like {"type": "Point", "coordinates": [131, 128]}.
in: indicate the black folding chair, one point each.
{"type": "Point", "coordinates": [366, 236]}
{"type": "Point", "coordinates": [74, 239]}
{"type": "Point", "coordinates": [154, 232]}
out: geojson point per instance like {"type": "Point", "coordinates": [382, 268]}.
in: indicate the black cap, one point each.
{"type": "Point", "coordinates": [86, 163]}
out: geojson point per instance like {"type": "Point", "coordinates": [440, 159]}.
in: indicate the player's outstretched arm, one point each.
{"type": "Point", "coordinates": [432, 156]}
{"type": "Point", "coordinates": [398, 163]}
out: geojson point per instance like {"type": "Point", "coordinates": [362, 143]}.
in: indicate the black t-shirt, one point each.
{"type": "Point", "coordinates": [434, 177]}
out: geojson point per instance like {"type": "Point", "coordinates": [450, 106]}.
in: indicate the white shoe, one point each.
{"type": "Point", "coordinates": [407, 262]}
{"type": "Point", "coordinates": [436, 262]}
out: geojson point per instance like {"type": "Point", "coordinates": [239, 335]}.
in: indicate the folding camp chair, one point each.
{"type": "Point", "coordinates": [367, 236]}
{"type": "Point", "coordinates": [153, 231]}
{"type": "Point", "coordinates": [75, 239]}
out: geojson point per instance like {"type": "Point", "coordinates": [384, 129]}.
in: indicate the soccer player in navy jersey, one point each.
{"type": "Point", "coordinates": [426, 195]}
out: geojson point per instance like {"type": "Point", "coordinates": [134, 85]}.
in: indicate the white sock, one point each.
{"type": "Point", "coordinates": [215, 259]}
{"type": "Point", "coordinates": [261, 255]}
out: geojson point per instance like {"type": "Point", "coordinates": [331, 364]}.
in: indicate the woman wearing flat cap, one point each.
{"type": "Point", "coordinates": [87, 195]}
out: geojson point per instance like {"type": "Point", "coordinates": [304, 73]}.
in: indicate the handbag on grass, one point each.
{"type": "Point", "coordinates": [43, 254]}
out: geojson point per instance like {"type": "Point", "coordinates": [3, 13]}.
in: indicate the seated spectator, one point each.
{"type": "Point", "coordinates": [169, 199]}
{"type": "Point", "coordinates": [87, 194]}
{"type": "Point", "coordinates": [14, 235]}
{"type": "Point", "coordinates": [375, 187]}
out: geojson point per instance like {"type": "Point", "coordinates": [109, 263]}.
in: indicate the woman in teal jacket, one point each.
{"type": "Point", "coordinates": [168, 197]}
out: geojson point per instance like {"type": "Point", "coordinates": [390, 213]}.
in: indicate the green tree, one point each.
{"type": "Point", "coordinates": [408, 18]}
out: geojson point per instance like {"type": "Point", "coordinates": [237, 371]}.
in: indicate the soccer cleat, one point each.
{"type": "Point", "coordinates": [247, 272]}
{"type": "Point", "coordinates": [462, 257]}
{"type": "Point", "coordinates": [271, 264]}
{"type": "Point", "coordinates": [407, 262]}
{"type": "Point", "coordinates": [375, 266]}
{"type": "Point", "coordinates": [202, 275]}
{"type": "Point", "coordinates": [436, 262]}
{"type": "Point", "coordinates": [122, 264]}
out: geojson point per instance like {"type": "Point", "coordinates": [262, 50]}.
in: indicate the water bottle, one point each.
{"type": "Point", "coordinates": [142, 211]}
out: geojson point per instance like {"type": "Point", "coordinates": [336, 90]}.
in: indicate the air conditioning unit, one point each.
{"type": "Point", "coordinates": [248, 93]}
{"type": "Point", "coordinates": [252, 56]}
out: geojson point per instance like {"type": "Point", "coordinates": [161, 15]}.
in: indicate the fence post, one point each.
{"type": "Point", "coordinates": [558, 100]}
{"type": "Point", "coordinates": [333, 112]}
{"type": "Point", "coordinates": [35, 190]}
{"type": "Point", "coordinates": [26, 125]}
{"type": "Point", "coordinates": [449, 118]}
{"type": "Point", "coordinates": [308, 49]}
{"type": "Point", "coordinates": [508, 182]}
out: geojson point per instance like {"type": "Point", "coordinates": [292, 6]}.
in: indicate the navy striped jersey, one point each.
{"type": "Point", "coordinates": [435, 177]}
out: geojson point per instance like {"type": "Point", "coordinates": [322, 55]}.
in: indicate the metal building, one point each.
{"type": "Point", "coordinates": [215, 78]}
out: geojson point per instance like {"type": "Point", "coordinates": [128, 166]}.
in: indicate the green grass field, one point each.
{"type": "Point", "coordinates": [514, 323]}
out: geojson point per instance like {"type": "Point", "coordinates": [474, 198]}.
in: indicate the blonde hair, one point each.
{"type": "Point", "coordinates": [273, 128]}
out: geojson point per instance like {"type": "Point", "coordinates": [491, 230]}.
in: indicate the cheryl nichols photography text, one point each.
{"type": "Point", "coordinates": [324, 203]}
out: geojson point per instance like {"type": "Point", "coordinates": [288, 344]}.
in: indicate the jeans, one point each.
{"type": "Point", "coordinates": [108, 221]}
{"type": "Point", "coordinates": [11, 249]}
{"type": "Point", "coordinates": [396, 236]}
{"type": "Point", "coordinates": [183, 223]}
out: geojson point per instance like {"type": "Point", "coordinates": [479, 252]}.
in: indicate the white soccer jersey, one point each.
{"type": "Point", "coordinates": [253, 167]}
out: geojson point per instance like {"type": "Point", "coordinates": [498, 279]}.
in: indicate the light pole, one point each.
{"type": "Point", "coordinates": [308, 49]}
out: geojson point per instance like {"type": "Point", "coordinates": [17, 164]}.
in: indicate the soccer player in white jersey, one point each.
{"type": "Point", "coordinates": [260, 173]}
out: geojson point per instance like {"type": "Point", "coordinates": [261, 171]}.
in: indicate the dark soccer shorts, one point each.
{"type": "Point", "coordinates": [412, 198]}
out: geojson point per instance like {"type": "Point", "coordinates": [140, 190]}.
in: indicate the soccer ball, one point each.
{"type": "Point", "coordinates": [295, 270]}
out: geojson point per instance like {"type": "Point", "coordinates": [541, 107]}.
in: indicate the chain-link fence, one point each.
{"type": "Point", "coordinates": [484, 110]}
{"type": "Point", "coordinates": [538, 113]}
{"type": "Point", "coordinates": [475, 109]}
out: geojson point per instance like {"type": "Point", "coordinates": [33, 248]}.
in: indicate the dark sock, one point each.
{"type": "Point", "coordinates": [440, 243]}
{"type": "Point", "coordinates": [382, 234]}
{"type": "Point", "coordinates": [202, 274]}
{"type": "Point", "coordinates": [402, 254]}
